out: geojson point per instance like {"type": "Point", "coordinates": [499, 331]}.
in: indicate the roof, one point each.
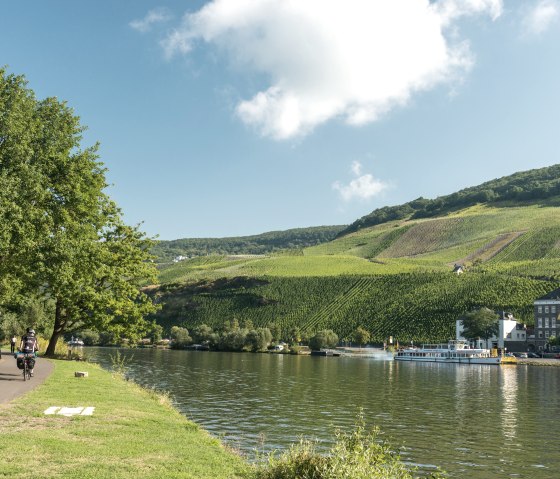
{"type": "Point", "coordinates": [552, 295]}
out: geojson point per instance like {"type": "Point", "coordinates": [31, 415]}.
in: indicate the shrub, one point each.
{"type": "Point", "coordinates": [323, 339]}
{"type": "Point", "coordinates": [180, 337]}
{"type": "Point", "coordinates": [234, 340]}
{"type": "Point", "coordinates": [259, 339]}
{"type": "Point", "coordinates": [360, 454]}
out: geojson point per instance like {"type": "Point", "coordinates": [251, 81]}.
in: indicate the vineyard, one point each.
{"type": "Point", "coordinates": [393, 279]}
{"type": "Point", "coordinates": [412, 306]}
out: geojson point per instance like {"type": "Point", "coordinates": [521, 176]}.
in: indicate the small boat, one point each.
{"type": "Point", "coordinates": [452, 352]}
{"type": "Point", "coordinates": [75, 342]}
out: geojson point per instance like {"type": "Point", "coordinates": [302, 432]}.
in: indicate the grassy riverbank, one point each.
{"type": "Point", "coordinates": [132, 433]}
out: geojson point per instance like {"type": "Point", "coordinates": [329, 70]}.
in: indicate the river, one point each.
{"type": "Point", "coordinates": [473, 421]}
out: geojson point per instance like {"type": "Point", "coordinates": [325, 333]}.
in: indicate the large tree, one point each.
{"type": "Point", "coordinates": [481, 323]}
{"type": "Point", "coordinates": [361, 336]}
{"type": "Point", "coordinates": [61, 236]}
{"type": "Point", "coordinates": [325, 338]}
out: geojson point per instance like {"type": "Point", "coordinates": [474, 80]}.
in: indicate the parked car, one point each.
{"type": "Point", "coordinates": [533, 355]}
{"type": "Point", "coordinates": [557, 356]}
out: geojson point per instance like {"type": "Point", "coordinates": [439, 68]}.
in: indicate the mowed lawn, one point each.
{"type": "Point", "coordinates": [133, 433]}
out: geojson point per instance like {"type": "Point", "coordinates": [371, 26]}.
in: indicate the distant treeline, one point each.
{"type": "Point", "coordinates": [524, 186]}
{"type": "Point", "coordinates": [257, 244]}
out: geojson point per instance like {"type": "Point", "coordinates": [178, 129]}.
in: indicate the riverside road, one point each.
{"type": "Point", "coordinates": [12, 384]}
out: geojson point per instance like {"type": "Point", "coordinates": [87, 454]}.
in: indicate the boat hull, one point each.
{"type": "Point", "coordinates": [494, 361]}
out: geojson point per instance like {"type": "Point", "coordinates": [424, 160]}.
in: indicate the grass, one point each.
{"type": "Point", "coordinates": [132, 433]}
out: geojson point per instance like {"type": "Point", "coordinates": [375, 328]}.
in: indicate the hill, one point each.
{"type": "Point", "coordinates": [264, 243]}
{"type": "Point", "coordinates": [533, 185]}
{"type": "Point", "coordinates": [394, 278]}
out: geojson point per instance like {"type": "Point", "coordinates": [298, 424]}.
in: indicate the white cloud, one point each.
{"type": "Point", "coordinates": [356, 168]}
{"type": "Point", "coordinates": [325, 59]}
{"type": "Point", "coordinates": [450, 10]}
{"type": "Point", "coordinates": [541, 16]}
{"type": "Point", "coordinates": [158, 15]}
{"type": "Point", "coordinates": [363, 187]}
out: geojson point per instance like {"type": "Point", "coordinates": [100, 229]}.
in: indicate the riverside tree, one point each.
{"type": "Point", "coordinates": [361, 336]}
{"type": "Point", "coordinates": [61, 236]}
{"type": "Point", "coordinates": [323, 339]}
{"type": "Point", "coordinates": [259, 339]}
{"type": "Point", "coordinates": [482, 323]}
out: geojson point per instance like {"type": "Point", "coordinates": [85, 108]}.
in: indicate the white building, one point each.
{"type": "Point", "coordinates": [180, 258]}
{"type": "Point", "coordinates": [511, 334]}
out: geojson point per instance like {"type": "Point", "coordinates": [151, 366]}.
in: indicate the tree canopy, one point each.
{"type": "Point", "coordinates": [61, 237]}
{"type": "Point", "coordinates": [265, 243]}
{"type": "Point", "coordinates": [325, 338]}
{"type": "Point", "coordinates": [361, 336]}
{"type": "Point", "coordinates": [482, 323]}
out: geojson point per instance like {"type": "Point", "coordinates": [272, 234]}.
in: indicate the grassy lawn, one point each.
{"type": "Point", "coordinates": [132, 433]}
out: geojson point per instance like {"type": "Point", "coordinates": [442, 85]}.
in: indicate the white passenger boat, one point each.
{"type": "Point", "coordinates": [75, 342]}
{"type": "Point", "coordinates": [452, 352]}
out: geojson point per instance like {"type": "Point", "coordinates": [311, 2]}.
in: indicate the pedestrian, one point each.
{"type": "Point", "coordinates": [13, 344]}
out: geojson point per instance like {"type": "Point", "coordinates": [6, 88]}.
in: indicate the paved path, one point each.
{"type": "Point", "coordinates": [12, 384]}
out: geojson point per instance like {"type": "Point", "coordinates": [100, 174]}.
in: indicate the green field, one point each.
{"type": "Point", "coordinates": [393, 279]}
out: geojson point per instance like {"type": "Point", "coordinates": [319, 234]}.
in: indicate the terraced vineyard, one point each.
{"type": "Point", "coordinates": [393, 279]}
{"type": "Point", "coordinates": [414, 306]}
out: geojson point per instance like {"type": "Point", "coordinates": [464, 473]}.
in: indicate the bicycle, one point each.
{"type": "Point", "coordinates": [24, 363]}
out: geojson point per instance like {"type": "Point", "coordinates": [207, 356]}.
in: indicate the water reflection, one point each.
{"type": "Point", "coordinates": [509, 409]}
{"type": "Point", "coordinates": [474, 421]}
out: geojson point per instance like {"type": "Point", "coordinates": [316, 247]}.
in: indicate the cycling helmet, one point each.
{"type": "Point", "coordinates": [31, 331]}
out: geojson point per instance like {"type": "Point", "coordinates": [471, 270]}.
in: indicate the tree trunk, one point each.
{"type": "Point", "coordinates": [59, 326]}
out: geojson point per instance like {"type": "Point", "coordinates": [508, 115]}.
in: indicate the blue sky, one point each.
{"type": "Point", "coordinates": [236, 117]}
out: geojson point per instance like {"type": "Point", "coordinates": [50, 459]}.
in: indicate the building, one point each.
{"type": "Point", "coordinates": [458, 269]}
{"type": "Point", "coordinates": [511, 336]}
{"type": "Point", "coordinates": [547, 309]}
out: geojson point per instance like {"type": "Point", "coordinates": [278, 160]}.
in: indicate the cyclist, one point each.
{"type": "Point", "coordinates": [29, 344]}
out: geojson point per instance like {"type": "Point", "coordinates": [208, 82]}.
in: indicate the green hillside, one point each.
{"type": "Point", "coordinates": [533, 185]}
{"type": "Point", "coordinates": [393, 278]}
{"type": "Point", "coordinates": [265, 243]}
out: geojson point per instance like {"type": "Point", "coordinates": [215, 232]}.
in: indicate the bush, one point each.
{"type": "Point", "coordinates": [360, 454]}
{"type": "Point", "coordinates": [180, 337]}
{"type": "Point", "coordinates": [259, 339]}
{"type": "Point", "coordinates": [323, 339]}
{"type": "Point", "coordinates": [202, 333]}
{"type": "Point", "coordinates": [234, 340]}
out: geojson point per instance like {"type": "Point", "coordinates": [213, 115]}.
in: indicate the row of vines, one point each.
{"type": "Point", "coordinates": [414, 306]}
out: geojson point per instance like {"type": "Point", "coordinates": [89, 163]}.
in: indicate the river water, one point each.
{"type": "Point", "coordinates": [473, 421]}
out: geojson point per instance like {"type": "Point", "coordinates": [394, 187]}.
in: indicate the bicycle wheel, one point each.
{"type": "Point", "coordinates": [25, 369]}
